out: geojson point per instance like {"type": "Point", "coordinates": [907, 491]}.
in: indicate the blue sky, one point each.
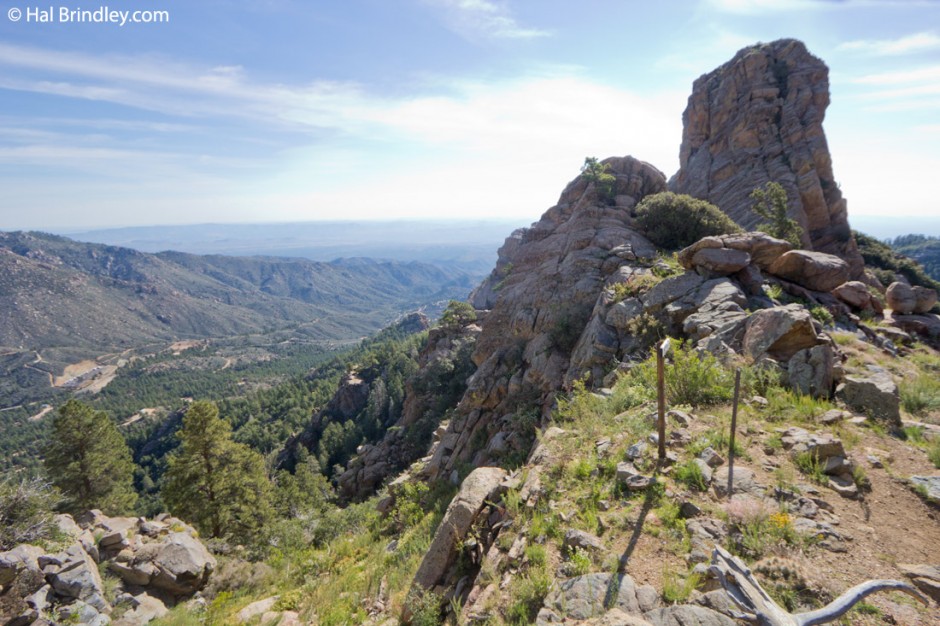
{"type": "Point", "coordinates": [287, 110]}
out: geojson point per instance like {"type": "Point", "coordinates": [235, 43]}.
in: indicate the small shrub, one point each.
{"type": "Point", "coordinates": [674, 221]}
{"type": "Point", "coordinates": [598, 173]}
{"type": "Point", "coordinates": [646, 328]}
{"type": "Point", "coordinates": [634, 286]}
{"type": "Point", "coordinates": [527, 594]}
{"type": "Point", "coordinates": [536, 555]}
{"type": "Point", "coordinates": [810, 465]}
{"type": "Point", "coordinates": [774, 291]}
{"type": "Point", "coordinates": [933, 453]}
{"type": "Point", "coordinates": [408, 509]}
{"type": "Point", "coordinates": [761, 379]}
{"type": "Point", "coordinates": [26, 511]}
{"type": "Point", "coordinates": [579, 563]}
{"type": "Point", "coordinates": [822, 315]}
{"type": "Point", "coordinates": [425, 608]}
{"type": "Point", "coordinates": [677, 588]}
{"type": "Point", "coordinates": [920, 395]}
{"type": "Point", "coordinates": [690, 474]}
{"type": "Point", "coordinates": [770, 202]}
{"type": "Point", "coordinates": [758, 526]}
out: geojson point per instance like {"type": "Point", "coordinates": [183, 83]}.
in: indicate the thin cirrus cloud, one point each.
{"type": "Point", "coordinates": [485, 19]}
{"type": "Point", "coordinates": [908, 44]}
{"type": "Point", "coordinates": [752, 7]}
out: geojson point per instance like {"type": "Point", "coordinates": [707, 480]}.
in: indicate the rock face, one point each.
{"type": "Point", "coordinates": [756, 119]}
{"type": "Point", "coordinates": [445, 355]}
{"type": "Point", "coordinates": [543, 293]}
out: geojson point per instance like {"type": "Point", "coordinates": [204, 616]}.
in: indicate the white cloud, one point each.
{"type": "Point", "coordinates": [909, 44]}
{"type": "Point", "coordinates": [753, 7]}
{"type": "Point", "coordinates": [496, 148]}
{"type": "Point", "coordinates": [485, 19]}
{"type": "Point", "coordinates": [924, 74]}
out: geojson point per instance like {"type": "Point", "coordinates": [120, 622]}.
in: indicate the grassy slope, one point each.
{"type": "Point", "coordinates": [337, 581]}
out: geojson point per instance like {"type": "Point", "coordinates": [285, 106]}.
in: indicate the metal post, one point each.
{"type": "Point", "coordinates": [734, 427]}
{"type": "Point", "coordinates": [661, 396]}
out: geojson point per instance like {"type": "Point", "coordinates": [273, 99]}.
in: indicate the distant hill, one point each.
{"type": "Point", "coordinates": [62, 301]}
{"type": "Point", "coordinates": [925, 250]}
{"type": "Point", "coordinates": [465, 244]}
{"type": "Point", "coordinates": [887, 261]}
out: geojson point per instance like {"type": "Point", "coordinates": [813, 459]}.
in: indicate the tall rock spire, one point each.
{"type": "Point", "coordinates": [756, 119]}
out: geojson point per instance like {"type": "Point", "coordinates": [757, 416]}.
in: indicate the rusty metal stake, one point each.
{"type": "Point", "coordinates": [661, 396]}
{"type": "Point", "coordinates": [734, 427]}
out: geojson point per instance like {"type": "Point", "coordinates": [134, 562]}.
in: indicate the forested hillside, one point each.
{"type": "Point", "coordinates": [923, 249]}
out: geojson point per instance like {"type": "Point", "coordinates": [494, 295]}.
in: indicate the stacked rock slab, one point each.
{"type": "Point", "coordinates": [758, 119]}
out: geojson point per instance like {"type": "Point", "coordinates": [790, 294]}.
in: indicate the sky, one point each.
{"type": "Point", "coordinates": [296, 110]}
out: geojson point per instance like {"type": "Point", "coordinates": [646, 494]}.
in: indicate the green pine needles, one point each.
{"type": "Point", "coordinates": [770, 202]}
{"type": "Point", "coordinates": [88, 459]}
{"type": "Point", "coordinates": [217, 484]}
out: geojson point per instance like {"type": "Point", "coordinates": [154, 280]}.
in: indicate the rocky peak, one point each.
{"type": "Point", "coordinates": [758, 119]}
{"type": "Point", "coordinates": [542, 294]}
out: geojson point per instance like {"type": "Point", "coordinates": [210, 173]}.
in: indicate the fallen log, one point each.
{"type": "Point", "coordinates": [758, 607]}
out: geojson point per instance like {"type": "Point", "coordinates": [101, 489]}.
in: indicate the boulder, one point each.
{"type": "Point", "coordinates": [720, 261]}
{"type": "Point", "coordinates": [580, 540]}
{"type": "Point", "coordinates": [757, 119]}
{"type": "Point", "coordinates": [900, 298]}
{"type": "Point", "coordinates": [745, 482]}
{"type": "Point", "coordinates": [78, 577]}
{"type": "Point", "coordinates": [180, 565]}
{"type": "Point", "coordinates": [688, 615]}
{"type": "Point", "coordinates": [480, 485]}
{"type": "Point", "coordinates": [855, 294]}
{"type": "Point", "coordinates": [144, 609]}
{"type": "Point", "coordinates": [810, 371]}
{"type": "Point", "coordinates": [761, 248]}
{"type": "Point", "coordinates": [183, 564]}
{"type": "Point", "coordinates": [928, 486]}
{"type": "Point", "coordinates": [875, 395]}
{"type": "Point", "coordinates": [22, 557]}
{"type": "Point", "coordinates": [924, 298]}
{"type": "Point", "coordinates": [817, 271]}
{"type": "Point", "coordinates": [591, 595]}
{"type": "Point", "coordinates": [255, 609]}
{"type": "Point", "coordinates": [925, 577]}
{"type": "Point", "coordinates": [779, 332]}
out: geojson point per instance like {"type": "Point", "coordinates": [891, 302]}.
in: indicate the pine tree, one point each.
{"type": "Point", "coordinates": [88, 459]}
{"type": "Point", "coordinates": [770, 202]}
{"type": "Point", "coordinates": [216, 484]}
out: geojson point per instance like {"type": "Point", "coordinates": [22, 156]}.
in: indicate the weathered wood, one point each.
{"type": "Point", "coordinates": [759, 607]}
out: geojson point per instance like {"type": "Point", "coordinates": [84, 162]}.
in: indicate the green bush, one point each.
{"type": "Point", "coordinates": [693, 378]}
{"type": "Point", "coordinates": [674, 221]}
